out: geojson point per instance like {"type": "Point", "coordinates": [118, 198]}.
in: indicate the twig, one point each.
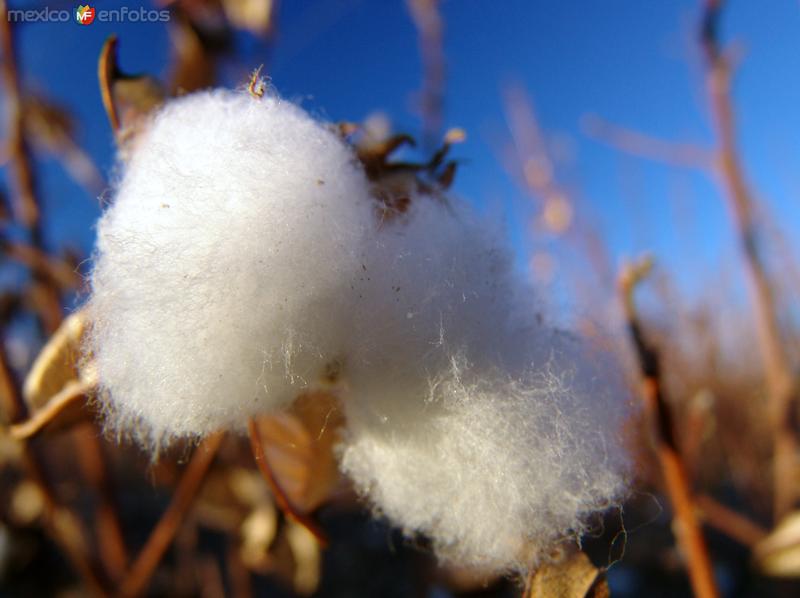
{"type": "Point", "coordinates": [140, 573]}
{"type": "Point", "coordinates": [781, 382]}
{"type": "Point", "coordinates": [59, 523]}
{"type": "Point", "coordinates": [108, 530]}
{"type": "Point", "coordinates": [57, 271]}
{"type": "Point", "coordinates": [25, 206]}
{"type": "Point", "coordinates": [428, 20]}
{"type": "Point", "coordinates": [686, 527]}
{"type": "Point", "coordinates": [636, 143]}
{"type": "Point", "coordinates": [45, 293]}
{"type": "Point", "coordinates": [733, 524]}
{"type": "Point", "coordinates": [281, 498]}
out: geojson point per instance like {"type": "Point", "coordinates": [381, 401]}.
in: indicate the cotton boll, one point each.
{"type": "Point", "coordinates": [225, 265]}
{"type": "Point", "coordinates": [468, 420]}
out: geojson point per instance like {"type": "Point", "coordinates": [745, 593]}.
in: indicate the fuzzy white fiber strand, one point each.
{"type": "Point", "coordinates": [468, 420]}
{"type": "Point", "coordinates": [223, 267]}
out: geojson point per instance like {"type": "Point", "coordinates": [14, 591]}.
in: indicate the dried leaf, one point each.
{"type": "Point", "coordinates": [52, 130]}
{"type": "Point", "coordinates": [779, 553]}
{"type": "Point", "coordinates": [298, 445]}
{"type": "Point", "coordinates": [56, 391]}
{"type": "Point", "coordinates": [127, 99]}
{"type": "Point", "coordinates": [573, 577]}
{"type": "Point", "coordinates": [56, 364]}
{"type": "Point", "coordinates": [62, 411]}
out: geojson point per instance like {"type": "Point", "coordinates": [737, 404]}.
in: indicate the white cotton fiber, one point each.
{"type": "Point", "coordinates": [223, 269]}
{"type": "Point", "coordinates": [468, 420]}
{"type": "Point", "coordinates": [243, 254]}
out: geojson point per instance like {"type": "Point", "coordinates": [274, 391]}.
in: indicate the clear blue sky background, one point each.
{"type": "Point", "coordinates": [632, 62]}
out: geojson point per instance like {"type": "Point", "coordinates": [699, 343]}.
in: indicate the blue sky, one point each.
{"type": "Point", "coordinates": [634, 63]}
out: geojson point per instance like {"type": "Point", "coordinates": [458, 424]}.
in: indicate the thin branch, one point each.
{"type": "Point", "coordinates": [46, 298]}
{"type": "Point", "coordinates": [140, 573]}
{"type": "Point", "coordinates": [636, 143]}
{"type": "Point", "coordinates": [782, 386]}
{"type": "Point", "coordinates": [281, 498]}
{"type": "Point", "coordinates": [686, 527]}
{"type": "Point", "coordinates": [428, 19]}
{"type": "Point", "coordinates": [59, 523]}
{"type": "Point", "coordinates": [729, 522]}
{"type": "Point", "coordinates": [58, 271]}
{"type": "Point", "coordinates": [108, 530]}
{"type": "Point", "coordinates": [25, 206]}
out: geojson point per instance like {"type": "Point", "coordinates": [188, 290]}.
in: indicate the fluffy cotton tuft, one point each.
{"type": "Point", "coordinates": [223, 267]}
{"type": "Point", "coordinates": [243, 254]}
{"type": "Point", "coordinates": [468, 420]}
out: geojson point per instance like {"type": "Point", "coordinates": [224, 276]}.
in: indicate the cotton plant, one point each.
{"type": "Point", "coordinates": [251, 255]}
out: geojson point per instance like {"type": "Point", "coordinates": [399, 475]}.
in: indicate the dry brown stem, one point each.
{"type": "Point", "coordinates": [686, 527]}
{"type": "Point", "coordinates": [428, 20]}
{"type": "Point", "coordinates": [729, 522]}
{"type": "Point", "coordinates": [780, 380]}
{"type": "Point", "coordinates": [60, 524]}
{"type": "Point", "coordinates": [140, 573]}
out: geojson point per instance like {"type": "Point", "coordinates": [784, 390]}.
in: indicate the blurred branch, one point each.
{"type": "Point", "coordinates": [733, 524]}
{"type": "Point", "coordinates": [59, 523]}
{"type": "Point", "coordinates": [25, 206]}
{"type": "Point", "coordinates": [724, 163]}
{"type": "Point", "coordinates": [638, 144]}
{"type": "Point", "coordinates": [140, 573]}
{"type": "Point", "coordinates": [530, 164]}
{"type": "Point", "coordinates": [58, 271]}
{"type": "Point", "coordinates": [427, 18]}
{"type": "Point", "coordinates": [780, 379]}
{"type": "Point", "coordinates": [686, 527]}
{"type": "Point", "coordinates": [63, 525]}
{"type": "Point", "coordinates": [51, 129]}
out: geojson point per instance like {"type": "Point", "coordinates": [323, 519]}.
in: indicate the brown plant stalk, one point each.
{"type": "Point", "coordinates": [45, 292]}
{"type": "Point", "coordinates": [428, 20]}
{"type": "Point", "coordinates": [162, 535]}
{"type": "Point", "coordinates": [724, 163]}
{"type": "Point", "coordinates": [686, 527]}
{"type": "Point", "coordinates": [59, 523]}
{"type": "Point", "coordinates": [780, 380]}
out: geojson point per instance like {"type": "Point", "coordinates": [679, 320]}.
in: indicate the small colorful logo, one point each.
{"type": "Point", "coordinates": [84, 15]}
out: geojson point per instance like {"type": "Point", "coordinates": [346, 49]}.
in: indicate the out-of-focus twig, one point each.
{"type": "Point", "coordinates": [636, 143]}
{"type": "Point", "coordinates": [686, 527]}
{"type": "Point", "coordinates": [780, 380]}
{"type": "Point", "coordinates": [530, 164]}
{"type": "Point", "coordinates": [428, 19]}
{"type": "Point", "coordinates": [65, 529]}
{"type": "Point", "coordinates": [725, 164]}
{"type": "Point", "coordinates": [140, 573]}
{"type": "Point", "coordinates": [26, 209]}
{"type": "Point", "coordinates": [60, 522]}
{"type": "Point", "coordinates": [58, 271]}
{"type": "Point", "coordinates": [92, 458]}
{"type": "Point", "coordinates": [731, 523]}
